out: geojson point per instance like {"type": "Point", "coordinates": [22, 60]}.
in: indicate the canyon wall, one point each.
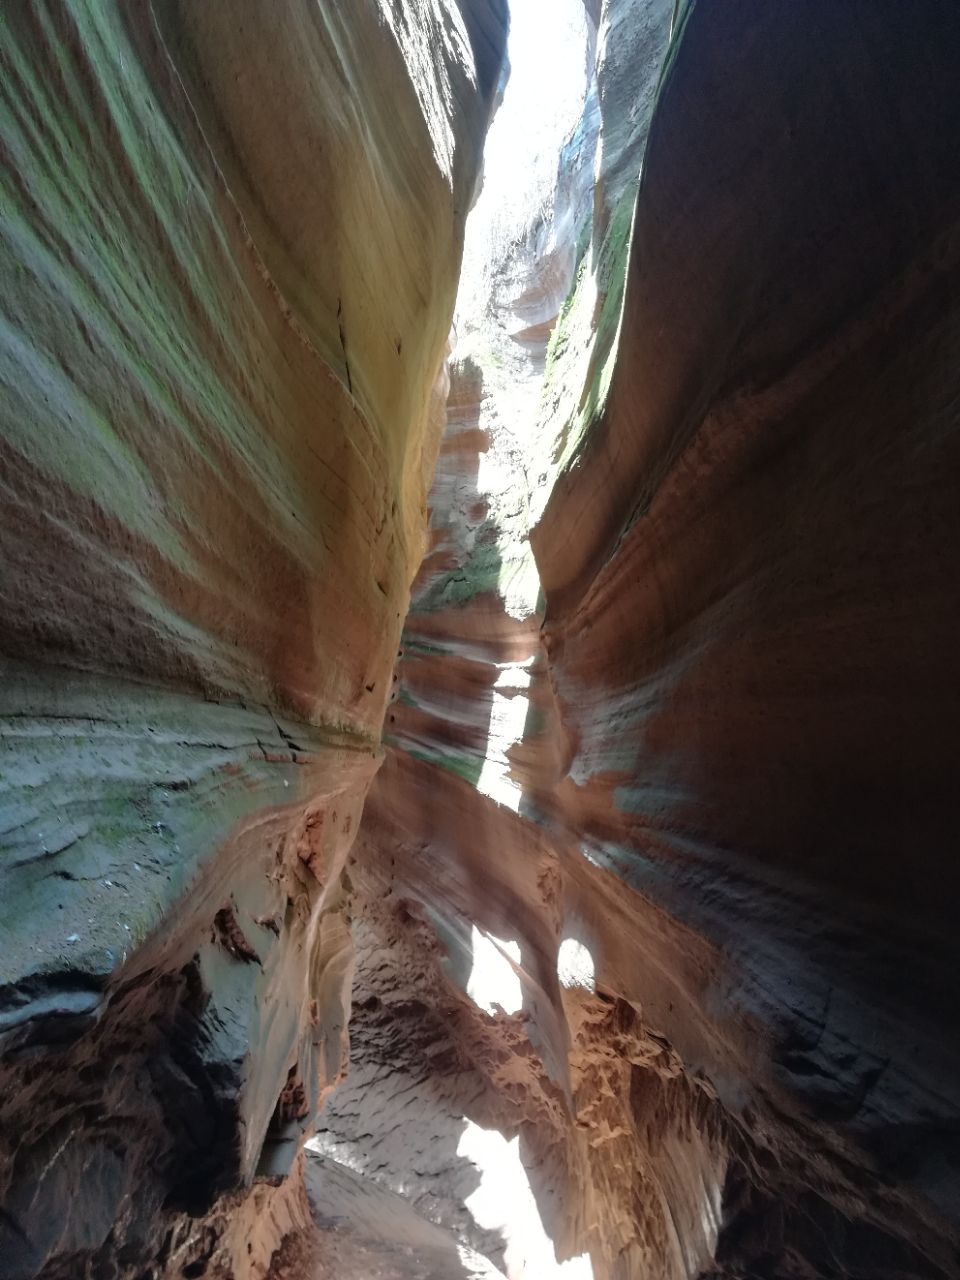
{"type": "Point", "coordinates": [729, 780]}
{"type": "Point", "coordinates": [749, 568]}
{"type": "Point", "coordinates": [231, 242]}
{"type": "Point", "coordinates": [596, 910]}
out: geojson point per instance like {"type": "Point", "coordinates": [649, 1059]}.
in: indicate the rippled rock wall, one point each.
{"type": "Point", "coordinates": [731, 782]}
{"type": "Point", "coordinates": [749, 567]}
{"type": "Point", "coordinates": [231, 243]}
{"type": "Point", "coordinates": [645, 895]}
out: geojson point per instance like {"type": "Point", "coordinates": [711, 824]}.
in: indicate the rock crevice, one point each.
{"type": "Point", "coordinates": [566, 890]}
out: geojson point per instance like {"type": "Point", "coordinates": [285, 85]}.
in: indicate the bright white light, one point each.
{"type": "Point", "coordinates": [575, 967]}
{"type": "Point", "coordinates": [493, 980]}
{"type": "Point", "coordinates": [508, 717]}
{"type": "Point", "coordinates": [542, 102]}
{"type": "Point", "coordinates": [541, 106]}
{"type": "Point", "coordinates": [504, 1202]}
{"type": "Point", "coordinates": [711, 1213]}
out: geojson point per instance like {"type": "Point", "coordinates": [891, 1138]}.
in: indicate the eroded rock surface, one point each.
{"type": "Point", "coordinates": [768, 589]}
{"type": "Point", "coordinates": [639, 918]}
{"type": "Point", "coordinates": [231, 241]}
{"type": "Point", "coordinates": [731, 786]}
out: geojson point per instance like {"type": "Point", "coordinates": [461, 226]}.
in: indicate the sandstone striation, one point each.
{"type": "Point", "coordinates": [231, 242]}
{"type": "Point", "coordinates": [730, 785]}
{"type": "Point", "coordinates": [749, 576]}
{"type": "Point", "coordinates": [479, 806]}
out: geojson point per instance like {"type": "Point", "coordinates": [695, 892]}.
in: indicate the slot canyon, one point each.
{"type": "Point", "coordinates": [479, 580]}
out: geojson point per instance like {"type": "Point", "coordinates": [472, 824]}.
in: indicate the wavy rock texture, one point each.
{"type": "Point", "coordinates": [231, 241]}
{"type": "Point", "coordinates": [750, 581]}
{"type": "Point", "coordinates": [733, 780]}
{"type": "Point", "coordinates": [680, 777]}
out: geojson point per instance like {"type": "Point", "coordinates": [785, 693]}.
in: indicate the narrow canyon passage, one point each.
{"type": "Point", "coordinates": [479, 585]}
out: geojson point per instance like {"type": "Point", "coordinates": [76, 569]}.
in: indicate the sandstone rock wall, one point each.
{"type": "Point", "coordinates": [735, 776]}
{"type": "Point", "coordinates": [231, 242]}
{"type": "Point", "coordinates": [749, 572]}
{"type": "Point", "coordinates": [669, 731]}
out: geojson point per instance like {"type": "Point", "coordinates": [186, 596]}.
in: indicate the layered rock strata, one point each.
{"type": "Point", "coordinates": [231, 241]}
{"type": "Point", "coordinates": [732, 784]}
{"type": "Point", "coordinates": [668, 747]}
{"type": "Point", "coordinates": [748, 623]}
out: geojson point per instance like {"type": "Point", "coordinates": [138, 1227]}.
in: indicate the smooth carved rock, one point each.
{"type": "Point", "coordinates": [751, 593]}
{"type": "Point", "coordinates": [742, 709]}
{"type": "Point", "coordinates": [231, 242]}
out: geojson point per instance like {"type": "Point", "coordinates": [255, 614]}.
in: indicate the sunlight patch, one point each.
{"type": "Point", "coordinates": [508, 718]}
{"type": "Point", "coordinates": [575, 967]}
{"type": "Point", "coordinates": [504, 1202]}
{"type": "Point", "coordinates": [493, 981]}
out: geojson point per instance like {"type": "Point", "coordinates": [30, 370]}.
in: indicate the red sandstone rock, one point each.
{"type": "Point", "coordinates": [231, 241]}
{"type": "Point", "coordinates": [230, 252]}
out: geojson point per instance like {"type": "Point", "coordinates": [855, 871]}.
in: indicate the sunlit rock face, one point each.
{"type": "Point", "coordinates": [633, 847]}
{"type": "Point", "coordinates": [711, 888]}
{"type": "Point", "coordinates": [231, 242]}
{"type": "Point", "coordinates": [487, 1063]}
